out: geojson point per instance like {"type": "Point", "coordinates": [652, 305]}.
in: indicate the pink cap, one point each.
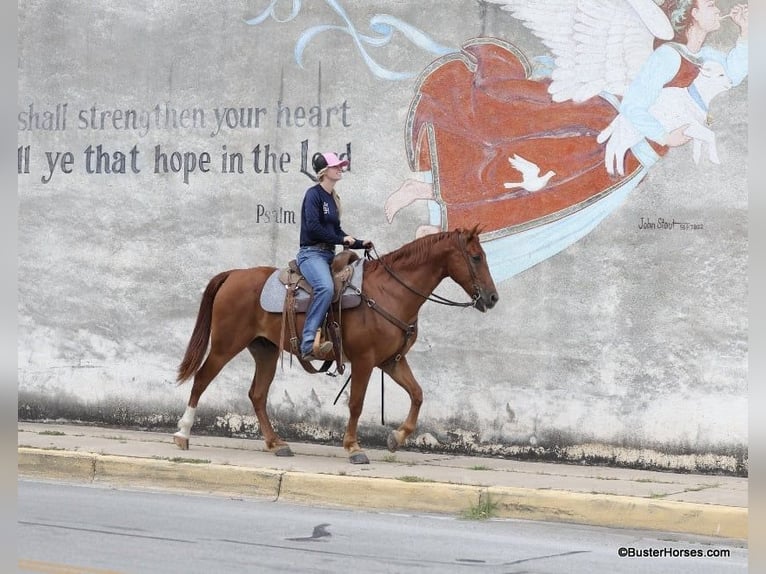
{"type": "Point", "coordinates": [334, 161]}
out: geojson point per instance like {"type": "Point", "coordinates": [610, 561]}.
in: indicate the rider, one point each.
{"type": "Point", "coordinates": [320, 233]}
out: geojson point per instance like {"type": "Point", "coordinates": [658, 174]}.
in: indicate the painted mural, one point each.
{"type": "Point", "coordinates": [600, 144]}
{"type": "Point", "coordinates": [539, 152]}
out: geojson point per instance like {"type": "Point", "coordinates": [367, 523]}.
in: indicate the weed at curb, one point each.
{"type": "Point", "coordinates": [410, 478]}
{"type": "Point", "coordinates": [486, 508]}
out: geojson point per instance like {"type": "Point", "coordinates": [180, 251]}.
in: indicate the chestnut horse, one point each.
{"type": "Point", "coordinates": [377, 333]}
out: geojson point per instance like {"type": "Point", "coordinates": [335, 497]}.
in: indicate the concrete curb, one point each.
{"type": "Point", "coordinates": [616, 511]}
{"type": "Point", "coordinates": [149, 473]}
{"type": "Point", "coordinates": [387, 494]}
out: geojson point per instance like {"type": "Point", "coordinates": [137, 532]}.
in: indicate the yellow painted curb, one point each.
{"type": "Point", "coordinates": [389, 494]}
{"type": "Point", "coordinates": [620, 511]}
{"type": "Point", "coordinates": [198, 477]}
{"type": "Point", "coordinates": [378, 493]}
{"type": "Point", "coordinates": [144, 472]}
{"type": "Point", "coordinates": [55, 464]}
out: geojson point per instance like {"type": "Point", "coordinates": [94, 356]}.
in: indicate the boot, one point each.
{"type": "Point", "coordinates": [321, 349]}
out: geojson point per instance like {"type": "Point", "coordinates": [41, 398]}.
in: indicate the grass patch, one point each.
{"type": "Point", "coordinates": [389, 458]}
{"type": "Point", "coordinates": [703, 487]}
{"type": "Point", "coordinates": [479, 467]}
{"type": "Point", "coordinates": [52, 433]}
{"type": "Point", "coordinates": [410, 478]}
{"type": "Point", "coordinates": [653, 480]}
{"type": "Point", "coordinates": [182, 459]}
{"type": "Point", "coordinates": [486, 508]}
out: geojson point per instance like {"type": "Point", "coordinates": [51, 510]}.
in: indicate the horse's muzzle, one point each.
{"type": "Point", "coordinates": [486, 300]}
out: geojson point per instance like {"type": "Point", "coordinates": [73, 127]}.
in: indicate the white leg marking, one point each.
{"type": "Point", "coordinates": [186, 422]}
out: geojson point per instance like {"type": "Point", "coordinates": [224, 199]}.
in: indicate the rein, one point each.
{"type": "Point", "coordinates": [434, 297]}
{"type": "Point", "coordinates": [410, 329]}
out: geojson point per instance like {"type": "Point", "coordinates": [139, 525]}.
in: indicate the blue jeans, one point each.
{"type": "Point", "coordinates": [314, 264]}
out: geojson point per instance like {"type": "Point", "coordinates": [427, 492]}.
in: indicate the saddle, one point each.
{"type": "Point", "coordinates": [347, 277]}
{"type": "Point", "coordinates": [294, 296]}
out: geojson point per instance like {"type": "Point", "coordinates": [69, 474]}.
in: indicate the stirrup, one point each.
{"type": "Point", "coordinates": [321, 350]}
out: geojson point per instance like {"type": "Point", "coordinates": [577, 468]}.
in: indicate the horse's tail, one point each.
{"type": "Point", "coordinates": [195, 352]}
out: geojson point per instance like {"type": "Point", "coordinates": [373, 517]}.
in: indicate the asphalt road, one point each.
{"type": "Point", "coordinates": [75, 528]}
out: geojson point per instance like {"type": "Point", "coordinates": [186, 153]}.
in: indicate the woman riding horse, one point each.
{"type": "Point", "coordinates": [320, 233]}
{"type": "Point", "coordinates": [378, 333]}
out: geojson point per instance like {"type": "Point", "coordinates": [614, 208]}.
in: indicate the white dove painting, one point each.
{"type": "Point", "coordinates": [532, 179]}
{"type": "Point", "coordinates": [531, 157]}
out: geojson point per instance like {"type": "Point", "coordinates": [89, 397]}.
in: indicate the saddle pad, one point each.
{"type": "Point", "coordinates": [274, 292]}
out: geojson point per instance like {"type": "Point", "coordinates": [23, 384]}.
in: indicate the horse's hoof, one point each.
{"type": "Point", "coordinates": [283, 450]}
{"type": "Point", "coordinates": [181, 441]}
{"type": "Point", "coordinates": [391, 442]}
{"type": "Point", "coordinates": [358, 458]}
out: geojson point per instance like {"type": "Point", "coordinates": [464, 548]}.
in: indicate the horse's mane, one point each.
{"type": "Point", "coordinates": [420, 250]}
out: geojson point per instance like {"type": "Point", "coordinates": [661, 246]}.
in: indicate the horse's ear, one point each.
{"type": "Point", "coordinates": [470, 234]}
{"type": "Point", "coordinates": [474, 232]}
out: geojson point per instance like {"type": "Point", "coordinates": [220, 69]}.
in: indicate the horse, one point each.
{"type": "Point", "coordinates": [377, 333]}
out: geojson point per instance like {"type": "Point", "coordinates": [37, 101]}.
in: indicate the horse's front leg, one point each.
{"type": "Point", "coordinates": [400, 372]}
{"type": "Point", "coordinates": [360, 378]}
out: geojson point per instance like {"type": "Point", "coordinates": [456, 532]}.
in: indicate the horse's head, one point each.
{"type": "Point", "coordinates": [467, 266]}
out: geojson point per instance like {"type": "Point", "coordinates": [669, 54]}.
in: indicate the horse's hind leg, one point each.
{"type": "Point", "coordinates": [360, 378]}
{"type": "Point", "coordinates": [207, 372]}
{"type": "Point", "coordinates": [401, 373]}
{"type": "Point", "coordinates": [266, 356]}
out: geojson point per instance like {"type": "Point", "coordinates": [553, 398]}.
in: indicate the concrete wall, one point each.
{"type": "Point", "coordinates": [627, 347]}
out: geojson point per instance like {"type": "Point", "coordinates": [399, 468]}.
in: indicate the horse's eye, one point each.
{"type": "Point", "coordinates": [476, 258]}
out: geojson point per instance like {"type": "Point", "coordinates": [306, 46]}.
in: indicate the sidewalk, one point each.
{"type": "Point", "coordinates": [404, 481]}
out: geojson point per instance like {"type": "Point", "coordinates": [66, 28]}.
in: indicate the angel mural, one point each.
{"type": "Point", "coordinates": [540, 161]}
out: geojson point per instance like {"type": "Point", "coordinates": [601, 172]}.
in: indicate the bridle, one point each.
{"type": "Point", "coordinates": [436, 298]}
{"type": "Point", "coordinates": [410, 329]}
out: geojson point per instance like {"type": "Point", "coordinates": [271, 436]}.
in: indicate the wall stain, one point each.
{"type": "Point", "coordinates": [455, 435]}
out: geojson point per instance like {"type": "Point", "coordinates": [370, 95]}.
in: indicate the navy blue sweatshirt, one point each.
{"type": "Point", "coordinates": [320, 222]}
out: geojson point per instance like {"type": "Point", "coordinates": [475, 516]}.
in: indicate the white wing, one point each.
{"type": "Point", "coordinates": [597, 45]}
{"type": "Point", "coordinates": [526, 167]}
